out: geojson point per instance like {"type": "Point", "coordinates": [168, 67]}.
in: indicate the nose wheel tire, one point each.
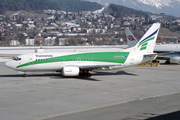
{"type": "Point", "coordinates": [24, 75]}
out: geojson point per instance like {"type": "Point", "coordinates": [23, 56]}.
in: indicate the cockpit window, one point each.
{"type": "Point", "coordinates": [16, 58]}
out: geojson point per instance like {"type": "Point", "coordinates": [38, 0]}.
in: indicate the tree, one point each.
{"type": "Point", "coordinates": [72, 41]}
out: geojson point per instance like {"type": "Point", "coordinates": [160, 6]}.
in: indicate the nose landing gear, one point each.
{"type": "Point", "coordinates": [24, 75]}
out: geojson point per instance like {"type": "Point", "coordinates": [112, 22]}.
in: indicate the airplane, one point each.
{"type": "Point", "coordinates": [81, 63]}
{"type": "Point", "coordinates": [168, 52]}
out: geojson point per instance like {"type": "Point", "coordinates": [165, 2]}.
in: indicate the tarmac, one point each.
{"type": "Point", "coordinates": [134, 93]}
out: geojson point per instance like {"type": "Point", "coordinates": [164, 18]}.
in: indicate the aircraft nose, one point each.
{"type": "Point", "coordinates": [9, 64]}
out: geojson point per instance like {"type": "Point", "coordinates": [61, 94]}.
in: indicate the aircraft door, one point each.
{"type": "Point", "coordinates": [132, 59]}
{"type": "Point", "coordinates": [78, 59]}
{"type": "Point", "coordinates": [30, 60]}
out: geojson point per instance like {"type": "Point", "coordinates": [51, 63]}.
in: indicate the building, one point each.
{"type": "Point", "coordinates": [160, 42]}
{"type": "Point", "coordinates": [63, 41]}
{"type": "Point", "coordinates": [29, 41]}
{"type": "Point", "coordinates": [14, 42]}
{"type": "Point", "coordinates": [49, 41]}
{"type": "Point", "coordinates": [2, 42]}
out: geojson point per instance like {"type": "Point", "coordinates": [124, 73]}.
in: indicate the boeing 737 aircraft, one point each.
{"type": "Point", "coordinates": [168, 52]}
{"type": "Point", "coordinates": [74, 63]}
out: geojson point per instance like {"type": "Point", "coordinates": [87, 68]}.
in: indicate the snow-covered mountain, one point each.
{"type": "Point", "coordinates": [170, 7]}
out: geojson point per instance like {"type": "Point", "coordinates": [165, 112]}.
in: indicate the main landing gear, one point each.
{"type": "Point", "coordinates": [87, 74]}
{"type": "Point", "coordinates": [24, 74]}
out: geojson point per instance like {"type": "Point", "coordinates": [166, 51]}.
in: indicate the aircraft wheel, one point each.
{"type": "Point", "coordinates": [24, 75]}
{"type": "Point", "coordinates": [89, 75]}
{"type": "Point", "coordinates": [167, 62]}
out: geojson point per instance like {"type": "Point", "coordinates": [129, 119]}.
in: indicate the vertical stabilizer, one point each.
{"type": "Point", "coordinates": [143, 51]}
{"type": "Point", "coordinates": [131, 40]}
{"type": "Point", "coordinates": [148, 41]}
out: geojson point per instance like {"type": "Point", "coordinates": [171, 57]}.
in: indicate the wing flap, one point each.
{"type": "Point", "coordinates": [92, 67]}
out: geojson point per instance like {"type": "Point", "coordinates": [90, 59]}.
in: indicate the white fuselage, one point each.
{"type": "Point", "coordinates": [51, 62]}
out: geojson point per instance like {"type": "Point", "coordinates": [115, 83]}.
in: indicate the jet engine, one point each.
{"type": "Point", "coordinates": [175, 60]}
{"type": "Point", "coordinates": [70, 71]}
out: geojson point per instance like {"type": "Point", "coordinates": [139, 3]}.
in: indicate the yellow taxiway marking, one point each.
{"type": "Point", "coordinates": [109, 105]}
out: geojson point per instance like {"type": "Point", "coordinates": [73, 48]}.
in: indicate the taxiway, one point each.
{"type": "Point", "coordinates": [50, 96]}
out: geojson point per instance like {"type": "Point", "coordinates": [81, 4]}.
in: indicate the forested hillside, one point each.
{"type": "Point", "coordinates": [78, 5]}
{"type": "Point", "coordinates": [32, 5]}
{"type": "Point", "coordinates": [118, 10]}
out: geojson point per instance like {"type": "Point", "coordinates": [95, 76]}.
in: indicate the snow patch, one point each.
{"type": "Point", "coordinates": [157, 3]}
{"type": "Point", "coordinates": [99, 11]}
{"type": "Point", "coordinates": [4, 59]}
{"type": "Point", "coordinates": [133, 2]}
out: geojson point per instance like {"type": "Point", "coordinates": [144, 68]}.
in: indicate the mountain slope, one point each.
{"type": "Point", "coordinates": [170, 7]}
{"type": "Point", "coordinates": [118, 10]}
{"type": "Point", "coordinates": [26, 5]}
{"type": "Point", "coordinates": [77, 5]}
{"type": "Point", "coordinates": [33, 5]}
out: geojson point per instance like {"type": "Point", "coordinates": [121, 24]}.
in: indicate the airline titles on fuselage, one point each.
{"type": "Point", "coordinates": [44, 55]}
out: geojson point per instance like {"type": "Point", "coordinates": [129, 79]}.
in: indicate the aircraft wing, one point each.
{"type": "Point", "coordinates": [163, 55]}
{"type": "Point", "coordinates": [92, 67]}
{"type": "Point", "coordinates": [162, 58]}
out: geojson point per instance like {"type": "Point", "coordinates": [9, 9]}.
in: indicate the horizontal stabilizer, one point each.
{"type": "Point", "coordinates": [150, 54]}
